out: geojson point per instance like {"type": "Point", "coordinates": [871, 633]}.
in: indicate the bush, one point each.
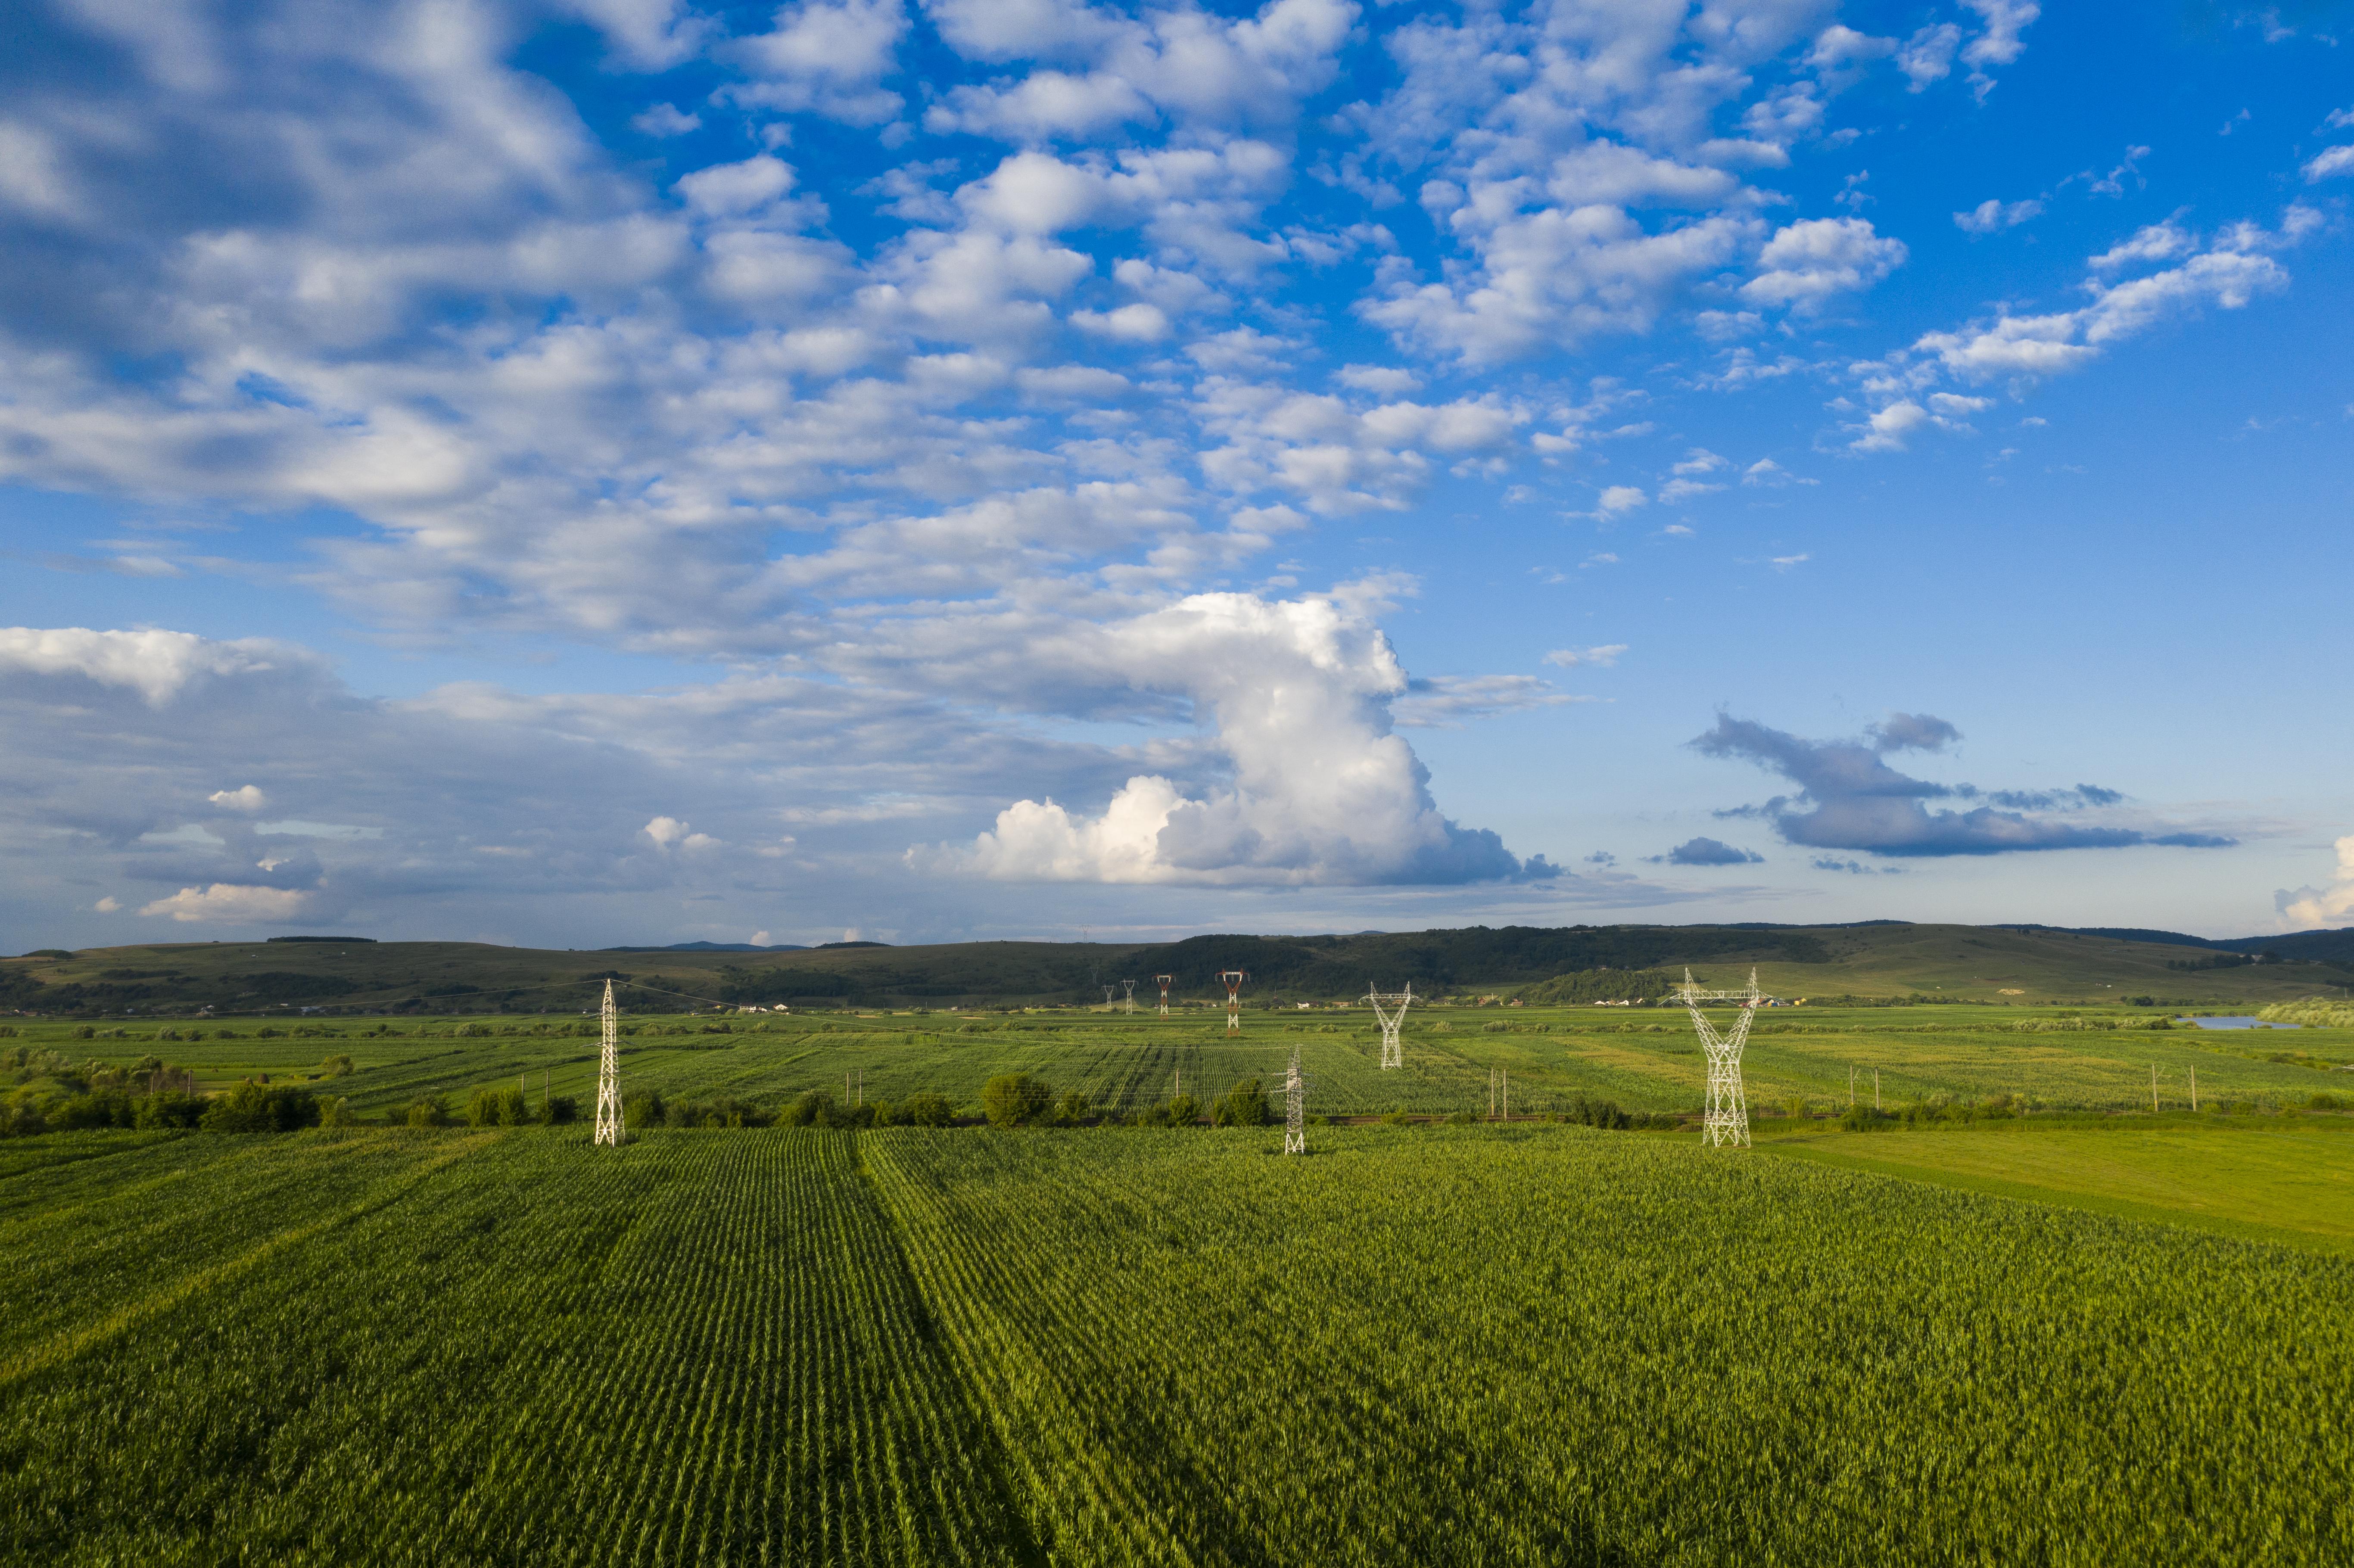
{"type": "Point", "coordinates": [1182, 1111]}
{"type": "Point", "coordinates": [1015, 1099]}
{"type": "Point", "coordinates": [429, 1112]}
{"type": "Point", "coordinates": [925, 1108]}
{"type": "Point", "coordinates": [1244, 1105]}
{"type": "Point", "coordinates": [1463, 1118]}
{"type": "Point", "coordinates": [170, 1108]}
{"type": "Point", "coordinates": [498, 1108]}
{"type": "Point", "coordinates": [103, 1108]}
{"type": "Point", "coordinates": [2324, 1101]}
{"type": "Point", "coordinates": [811, 1107]}
{"type": "Point", "coordinates": [336, 1111]}
{"type": "Point", "coordinates": [642, 1110]}
{"type": "Point", "coordinates": [1072, 1109]}
{"type": "Point", "coordinates": [557, 1110]}
{"type": "Point", "coordinates": [257, 1108]}
{"type": "Point", "coordinates": [335, 1067]}
{"type": "Point", "coordinates": [1586, 1110]}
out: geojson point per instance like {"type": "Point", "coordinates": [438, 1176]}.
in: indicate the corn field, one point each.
{"type": "Point", "coordinates": [1527, 1345]}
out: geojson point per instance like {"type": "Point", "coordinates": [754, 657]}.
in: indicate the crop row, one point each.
{"type": "Point", "coordinates": [687, 1351]}
{"type": "Point", "coordinates": [1565, 1347]}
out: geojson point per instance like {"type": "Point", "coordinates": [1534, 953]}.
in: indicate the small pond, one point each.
{"type": "Point", "coordinates": [2242, 1023]}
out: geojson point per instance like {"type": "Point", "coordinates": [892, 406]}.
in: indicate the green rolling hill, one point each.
{"type": "Point", "coordinates": [1877, 960]}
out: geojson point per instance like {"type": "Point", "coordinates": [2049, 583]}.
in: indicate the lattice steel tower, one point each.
{"type": "Point", "coordinates": [1233, 979]}
{"type": "Point", "coordinates": [609, 1075]}
{"type": "Point", "coordinates": [1127, 996]}
{"type": "Point", "coordinates": [1391, 1018]}
{"type": "Point", "coordinates": [1727, 1117]}
{"type": "Point", "coordinates": [1295, 1118]}
{"type": "Point", "coordinates": [1163, 983]}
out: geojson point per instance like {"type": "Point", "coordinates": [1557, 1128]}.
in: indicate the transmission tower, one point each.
{"type": "Point", "coordinates": [1233, 979]}
{"type": "Point", "coordinates": [1127, 1001]}
{"type": "Point", "coordinates": [1727, 1117]}
{"type": "Point", "coordinates": [1295, 1120]}
{"type": "Point", "coordinates": [609, 1075]}
{"type": "Point", "coordinates": [1163, 980]}
{"type": "Point", "coordinates": [1108, 990]}
{"type": "Point", "coordinates": [1389, 1008]}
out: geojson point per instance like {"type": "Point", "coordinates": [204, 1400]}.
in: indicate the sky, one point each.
{"type": "Point", "coordinates": [590, 472]}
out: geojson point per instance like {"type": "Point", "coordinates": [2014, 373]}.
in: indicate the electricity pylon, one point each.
{"type": "Point", "coordinates": [1727, 1116]}
{"type": "Point", "coordinates": [1108, 990]}
{"type": "Point", "coordinates": [1295, 1120]}
{"type": "Point", "coordinates": [1392, 1020]}
{"type": "Point", "coordinates": [1233, 979]}
{"type": "Point", "coordinates": [1128, 998]}
{"type": "Point", "coordinates": [609, 1075]}
{"type": "Point", "coordinates": [1163, 980]}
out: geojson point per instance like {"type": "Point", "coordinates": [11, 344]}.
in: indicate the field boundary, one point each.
{"type": "Point", "coordinates": [2060, 1197]}
{"type": "Point", "coordinates": [65, 1347]}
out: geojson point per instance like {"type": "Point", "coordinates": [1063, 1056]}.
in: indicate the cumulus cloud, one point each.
{"type": "Point", "coordinates": [157, 665]}
{"type": "Point", "coordinates": [1706, 851]}
{"type": "Point", "coordinates": [244, 798]}
{"type": "Point", "coordinates": [231, 903]}
{"type": "Point", "coordinates": [1603, 657]}
{"type": "Point", "coordinates": [1808, 262]}
{"type": "Point", "coordinates": [1850, 798]}
{"type": "Point", "coordinates": [1992, 217]}
{"type": "Point", "coordinates": [2320, 907]}
{"type": "Point", "coordinates": [2328, 164]}
{"type": "Point", "coordinates": [1319, 791]}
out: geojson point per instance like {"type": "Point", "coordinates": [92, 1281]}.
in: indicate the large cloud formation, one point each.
{"type": "Point", "coordinates": [2315, 907]}
{"type": "Point", "coordinates": [1850, 798]}
{"type": "Point", "coordinates": [1320, 792]}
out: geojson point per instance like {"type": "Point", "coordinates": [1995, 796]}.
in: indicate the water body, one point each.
{"type": "Point", "coordinates": [2241, 1022]}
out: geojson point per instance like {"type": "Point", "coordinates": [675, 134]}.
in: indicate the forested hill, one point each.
{"type": "Point", "coordinates": [1880, 958]}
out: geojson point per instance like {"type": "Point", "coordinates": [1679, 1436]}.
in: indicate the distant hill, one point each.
{"type": "Point", "coordinates": [693, 948]}
{"type": "Point", "coordinates": [1873, 960]}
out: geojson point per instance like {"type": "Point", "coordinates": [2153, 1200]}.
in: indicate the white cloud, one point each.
{"type": "Point", "coordinates": [1445, 702]}
{"type": "Point", "coordinates": [1621, 498]}
{"type": "Point", "coordinates": [824, 57]}
{"type": "Point", "coordinates": [158, 665]}
{"type": "Point", "coordinates": [2329, 162]}
{"type": "Point", "coordinates": [1888, 428]}
{"type": "Point", "coordinates": [227, 902]}
{"type": "Point", "coordinates": [1991, 217]}
{"type": "Point", "coordinates": [2229, 273]}
{"type": "Point", "coordinates": [1808, 262]}
{"type": "Point", "coordinates": [1604, 657]}
{"type": "Point", "coordinates": [1320, 792]}
{"type": "Point", "coordinates": [2152, 242]}
{"type": "Point", "coordinates": [2323, 907]}
{"type": "Point", "coordinates": [666, 120]}
{"type": "Point", "coordinates": [1138, 323]}
{"type": "Point", "coordinates": [245, 798]}
{"type": "Point", "coordinates": [108, 905]}
{"type": "Point", "coordinates": [1928, 56]}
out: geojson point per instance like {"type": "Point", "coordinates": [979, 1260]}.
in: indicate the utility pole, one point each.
{"type": "Point", "coordinates": [1850, 1089]}
{"type": "Point", "coordinates": [2153, 1088]}
{"type": "Point", "coordinates": [1875, 1088]}
{"type": "Point", "coordinates": [609, 1076]}
{"type": "Point", "coordinates": [1295, 1119]}
{"type": "Point", "coordinates": [2194, 1088]}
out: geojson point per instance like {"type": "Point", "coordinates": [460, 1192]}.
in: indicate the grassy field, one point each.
{"type": "Point", "coordinates": [2281, 1180]}
{"type": "Point", "coordinates": [1645, 1059]}
{"type": "Point", "coordinates": [1482, 1345]}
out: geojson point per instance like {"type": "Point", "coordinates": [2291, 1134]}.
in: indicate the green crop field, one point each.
{"type": "Point", "coordinates": [1484, 1345]}
{"type": "Point", "coordinates": [1645, 1059]}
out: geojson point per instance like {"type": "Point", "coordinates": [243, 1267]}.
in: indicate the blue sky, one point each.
{"type": "Point", "coordinates": [621, 470]}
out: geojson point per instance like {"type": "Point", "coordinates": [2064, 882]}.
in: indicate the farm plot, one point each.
{"type": "Point", "coordinates": [1562, 1346]}
{"type": "Point", "coordinates": [699, 1348]}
